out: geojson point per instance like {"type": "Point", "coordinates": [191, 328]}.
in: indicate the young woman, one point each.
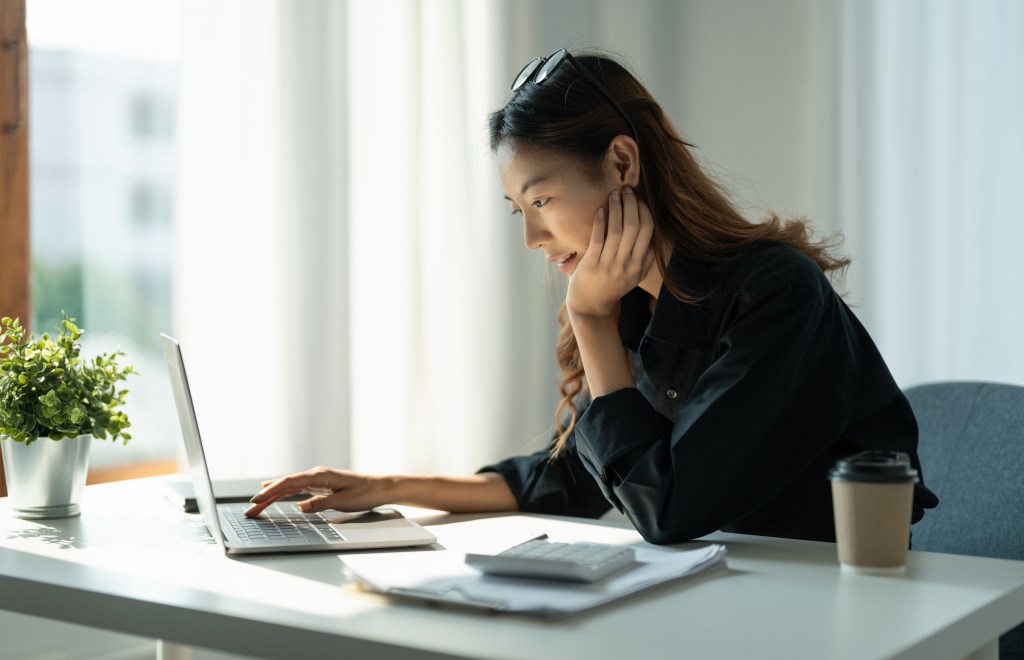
{"type": "Point", "coordinates": [711, 375]}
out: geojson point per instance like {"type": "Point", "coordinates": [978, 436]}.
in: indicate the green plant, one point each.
{"type": "Point", "coordinates": [47, 390]}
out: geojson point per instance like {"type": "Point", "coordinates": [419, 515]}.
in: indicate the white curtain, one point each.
{"type": "Point", "coordinates": [428, 263]}
{"type": "Point", "coordinates": [234, 295]}
{"type": "Point", "coordinates": [350, 289]}
{"type": "Point", "coordinates": [925, 163]}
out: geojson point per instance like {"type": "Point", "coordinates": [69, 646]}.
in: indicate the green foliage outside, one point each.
{"type": "Point", "coordinates": [47, 390]}
{"type": "Point", "coordinates": [108, 300]}
{"type": "Point", "coordinates": [56, 287]}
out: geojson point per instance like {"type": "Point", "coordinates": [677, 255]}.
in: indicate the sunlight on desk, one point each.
{"type": "Point", "coordinates": [108, 535]}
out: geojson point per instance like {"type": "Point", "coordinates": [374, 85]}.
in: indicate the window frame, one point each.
{"type": "Point", "coordinates": [15, 279]}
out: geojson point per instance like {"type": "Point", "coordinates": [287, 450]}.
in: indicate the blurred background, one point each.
{"type": "Point", "coordinates": [301, 192]}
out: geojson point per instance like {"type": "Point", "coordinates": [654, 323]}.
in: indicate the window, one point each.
{"type": "Point", "coordinates": [101, 153]}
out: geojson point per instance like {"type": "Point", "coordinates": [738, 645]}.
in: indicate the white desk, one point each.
{"type": "Point", "coordinates": [131, 563]}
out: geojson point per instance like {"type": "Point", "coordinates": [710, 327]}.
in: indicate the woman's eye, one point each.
{"type": "Point", "coordinates": [539, 203]}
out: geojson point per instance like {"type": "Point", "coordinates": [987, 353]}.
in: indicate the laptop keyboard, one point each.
{"type": "Point", "coordinates": [281, 523]}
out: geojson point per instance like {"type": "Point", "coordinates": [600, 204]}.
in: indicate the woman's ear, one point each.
{"type": "Point", "coordinates": [622, 162]}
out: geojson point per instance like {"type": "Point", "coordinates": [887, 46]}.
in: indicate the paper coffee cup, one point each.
{"type": "Point", "coordinates": [872, 499]}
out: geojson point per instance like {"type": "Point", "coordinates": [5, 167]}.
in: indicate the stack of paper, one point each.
{"type": "Point", "coordinates": [443, 577]}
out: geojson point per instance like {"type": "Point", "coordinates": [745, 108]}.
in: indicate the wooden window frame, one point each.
{"type": "Point", "coordinates": [15, 280]}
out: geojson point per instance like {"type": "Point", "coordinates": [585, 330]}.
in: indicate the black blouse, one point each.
{"type": "Point", "coordinates": [743, 403]}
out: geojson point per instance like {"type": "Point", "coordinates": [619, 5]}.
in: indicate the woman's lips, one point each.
{"type": "Point", "coordinates": [566, 263]}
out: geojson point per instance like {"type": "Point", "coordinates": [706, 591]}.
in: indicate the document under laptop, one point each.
{"type": "Point", "coordinates": [282, 527]}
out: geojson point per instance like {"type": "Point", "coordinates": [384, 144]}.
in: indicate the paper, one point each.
{"type": "Point", "coordinates": [443, 577]}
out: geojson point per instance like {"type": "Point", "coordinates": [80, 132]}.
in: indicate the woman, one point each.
{"type": "Point", "coordinates": [711, 375]}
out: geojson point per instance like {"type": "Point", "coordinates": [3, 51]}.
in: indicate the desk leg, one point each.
{"type": "Point", "coordinates": [170, 651]}
{"type": "Point", "coordinates": [988, 652]}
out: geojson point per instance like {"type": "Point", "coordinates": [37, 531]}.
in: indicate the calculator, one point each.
{"type": "Point", "coordinates": [540, 558]}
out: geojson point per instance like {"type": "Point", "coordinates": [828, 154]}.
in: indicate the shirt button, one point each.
{"type": "Point", "coordinates": [671, 393]}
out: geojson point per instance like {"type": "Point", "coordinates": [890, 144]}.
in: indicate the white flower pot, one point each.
{"type": "Point", "coordinates": [46, 478]}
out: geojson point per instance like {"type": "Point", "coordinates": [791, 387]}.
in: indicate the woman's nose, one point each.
{"type": "Point", "coordinates": [534, 234]}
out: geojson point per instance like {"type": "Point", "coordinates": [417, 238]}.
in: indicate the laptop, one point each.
{"type": "Point", "coordinates": [282, 527]}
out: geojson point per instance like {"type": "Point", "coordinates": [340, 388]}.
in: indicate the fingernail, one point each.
{"type": "Point", "coordinates": [627, 190]}
{"type": "Point", "coordinates": [304, 507]}
{"type": "Point", "coordinates": [258, 497]}
{"type": "Point", "coordinates": [615, 194]}
{"type": "Point", "coordinates": [250, 509]}
{"type": "Point", "coordinates": [600, 213]}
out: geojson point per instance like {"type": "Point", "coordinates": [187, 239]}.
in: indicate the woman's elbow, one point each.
{"type": "Point", "coordinates": [668, 530]}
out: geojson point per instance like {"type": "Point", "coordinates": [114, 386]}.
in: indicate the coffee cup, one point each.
{"type": "Point", "coordinates": [872, 499]}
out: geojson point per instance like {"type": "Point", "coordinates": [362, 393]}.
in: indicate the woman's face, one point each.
{"type": "Point", "coordinates": [557, 198]}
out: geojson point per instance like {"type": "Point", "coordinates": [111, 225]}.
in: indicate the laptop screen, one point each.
{"type": "Point", "coordinates": [190, 431]}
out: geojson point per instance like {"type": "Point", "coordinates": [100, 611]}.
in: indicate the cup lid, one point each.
{"type": "Point", "coordinates": [876, 466]}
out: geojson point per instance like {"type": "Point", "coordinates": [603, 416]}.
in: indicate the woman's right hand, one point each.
{"type": "Point", "coordinates": [330, 489]}
{"type": "Point", "coordinates": [618, 258]}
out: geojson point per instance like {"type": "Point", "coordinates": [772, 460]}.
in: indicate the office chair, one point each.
{"type": "Point", "coordinates": [972, 454]}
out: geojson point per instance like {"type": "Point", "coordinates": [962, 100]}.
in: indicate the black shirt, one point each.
{"type": "Point", "coordinates": [743, 403]}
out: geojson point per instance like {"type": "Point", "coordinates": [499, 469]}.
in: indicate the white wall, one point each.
{"type": "Point", "coordinates": [747, 75]}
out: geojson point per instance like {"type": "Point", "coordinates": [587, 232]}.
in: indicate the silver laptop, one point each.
{"type": "Point", "coordinates": [282, 527]}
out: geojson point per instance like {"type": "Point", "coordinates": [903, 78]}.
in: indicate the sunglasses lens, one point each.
{"type": "Point", "coordinates": [550, 66]}
{"type": "Point", "coordinates": [525, 74]}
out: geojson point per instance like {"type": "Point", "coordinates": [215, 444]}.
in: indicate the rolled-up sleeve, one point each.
{"type": "Point", "coordinates": [558, 486]}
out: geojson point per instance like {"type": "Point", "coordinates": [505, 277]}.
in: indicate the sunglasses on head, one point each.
{"type": "Point", "coordinates": [540, 69]}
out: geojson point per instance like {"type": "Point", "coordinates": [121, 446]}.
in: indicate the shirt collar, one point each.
{"type": "Point", "coordinates": [671, 315]}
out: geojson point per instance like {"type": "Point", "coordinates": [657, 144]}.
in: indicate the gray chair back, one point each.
{"type": "Point", "coordinates": [972, 454]}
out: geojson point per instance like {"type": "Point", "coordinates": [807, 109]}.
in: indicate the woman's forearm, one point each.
{"type": "Point", "coordinates": [604, 359]}
{"type": "Point", "coordinates": [470, 494]}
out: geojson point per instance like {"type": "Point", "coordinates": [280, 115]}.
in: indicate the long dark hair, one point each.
{"type": "Point", "coordinates": [694, 219]}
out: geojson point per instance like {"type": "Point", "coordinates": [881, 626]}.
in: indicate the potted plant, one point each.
{"type": "Point", "coordinates": [52, 403]}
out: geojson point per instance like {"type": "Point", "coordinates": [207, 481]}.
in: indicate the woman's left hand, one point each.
{"type": "Point", "coordinates": [616, 261]}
